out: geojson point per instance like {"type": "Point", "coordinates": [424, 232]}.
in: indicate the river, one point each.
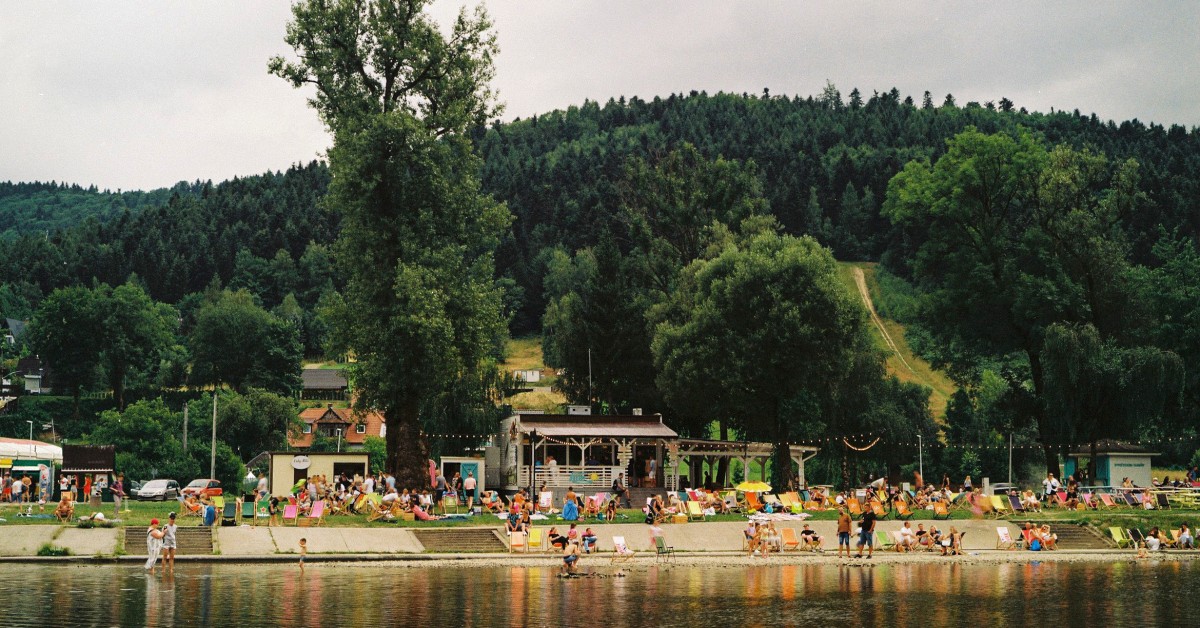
{"type": "Point", "coordinates": [338, 594]}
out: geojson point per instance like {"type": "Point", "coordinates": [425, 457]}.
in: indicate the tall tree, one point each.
{"type": "Point", "coordinates": [237, 343]}
{"type": "Point", "coordinates": [67, 333]}
{"type": "Point", "coordinates": [136, 331]}
{"type": "Point", "coordinates": [420, 308]}
{"type": "Point", "coordinates": [768, 334]}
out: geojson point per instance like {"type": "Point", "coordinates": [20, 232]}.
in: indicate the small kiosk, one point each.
{"type": "Point", "coordinates": [1115, 460]}
{"type": "Point", "coordinates": [286, 468]}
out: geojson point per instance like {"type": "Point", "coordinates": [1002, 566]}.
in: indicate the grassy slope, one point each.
{"type": "Point", "coordinates": [524, 354]}
{"type": "Point", "coordinates": [911, 368]}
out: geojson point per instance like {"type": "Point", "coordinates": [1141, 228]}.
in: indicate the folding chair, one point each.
{"type": "Point", "coordinates": [621, 552]}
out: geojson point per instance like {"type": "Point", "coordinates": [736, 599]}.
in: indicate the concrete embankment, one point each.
{"type": "Point", "coordinates": [713, 543]}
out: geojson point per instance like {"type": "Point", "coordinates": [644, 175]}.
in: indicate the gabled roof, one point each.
{"type": "Point", "coordinates": [323, 379]}
{"type": "Point", "coordinates": [16, 327]}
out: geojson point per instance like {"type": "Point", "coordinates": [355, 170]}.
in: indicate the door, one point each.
{"type": "Point", "coordinates": [473, 468]}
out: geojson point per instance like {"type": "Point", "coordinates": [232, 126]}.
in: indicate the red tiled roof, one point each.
{"type": "Point", "coordinates": [346, 418]}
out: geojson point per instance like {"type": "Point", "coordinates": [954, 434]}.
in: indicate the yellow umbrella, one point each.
{"type": "Point", "coordinates": [753, 487]}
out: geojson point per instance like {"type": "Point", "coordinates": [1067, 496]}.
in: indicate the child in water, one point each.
{"type": "Point", "coordinates": [303, 551]}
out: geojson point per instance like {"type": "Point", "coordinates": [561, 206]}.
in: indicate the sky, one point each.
{"type": "Point", "coordinates": [141, 95]}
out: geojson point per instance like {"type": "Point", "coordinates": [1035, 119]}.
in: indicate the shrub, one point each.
{"type": "Point", "coordinates": [52, 550]}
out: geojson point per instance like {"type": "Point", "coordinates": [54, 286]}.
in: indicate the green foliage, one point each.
{"type": "Point", "coordinates": [49, 549]}
{"type": "Point", "coordinates": [257, 421]}
{"type": "Point", "coordinates": [147, 437]}
{"type": "Point", "coordinates": [236, 342]}
{"type": "Point", "coordinates": [67, 331]}
{"type": "Point", "coordinates": [420, 307]}
{"type": "Point", "coordinates": [136, 332]}
{"type": "Point", "coordinates": [376, 449]}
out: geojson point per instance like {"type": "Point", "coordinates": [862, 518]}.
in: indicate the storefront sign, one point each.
{"type": "Point", "coordinates": [301, 462]}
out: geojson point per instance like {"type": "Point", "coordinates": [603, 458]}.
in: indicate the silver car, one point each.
{"type": "Point", "coordinates": [159, 490]}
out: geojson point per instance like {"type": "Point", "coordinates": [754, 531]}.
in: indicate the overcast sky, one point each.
{"type": "Point", "coordinates": [145, 94]}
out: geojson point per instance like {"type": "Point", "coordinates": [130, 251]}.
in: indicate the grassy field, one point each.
{"type": "Point", "coordinates": [902, 362]}
{"type": "Point", "coordinates": [525, 354]}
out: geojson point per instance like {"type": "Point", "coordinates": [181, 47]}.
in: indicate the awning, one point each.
{"type": "Point", "coordinates": [29, 466]}
{"type": "Point", "coordinates": [594, 429]}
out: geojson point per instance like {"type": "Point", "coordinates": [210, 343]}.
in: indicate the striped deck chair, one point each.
{"type": "Point", "coordinates": [621, 551]}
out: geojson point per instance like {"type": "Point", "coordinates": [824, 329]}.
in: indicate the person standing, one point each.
{"type": "Point", "coordinates": [168, 543]}
{"type": "Point", "coordinates": [867, 534]}
{"type": "Point", "coordinates": [303, 553]}
{"type": "Point", "coordinates": [844, 525]}
{"type": "Point", "coordinates": [618, 489]}
{"type": "Point", "coordinates": [439, 491]}
{"type": "Point", "coordinates": [118, 492]}
{"type": "Point", "coordinates": [154, 538]}
{"type": "Point", "coordinates": [469, 490]}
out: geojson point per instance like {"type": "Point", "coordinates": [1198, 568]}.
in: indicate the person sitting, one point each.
{"type": "Point", "coordinates": [908, 540]}
{"type": "Point", "coordinates": [676, 506]}
{"type": "Point", "coordinates": [589, 541]}
{"type": "Point", "coordinates": [1029, 501]}
{"type": "Point", "coordinates": [556, 539]}
{"type": "Point", "coordinates": [66, 508]}
{"type": "Point", "coordinates": [192, 505]}
{"type": "Point", "coordinates": [514, 523]}
{"type": "Point", "coordinates": [811, 539]}
{"type": "Point", "coordinates": [952, 542]}
{"type": "Point", "coordinates": [610, 511]}
{"type": "Point", "coordinates": [771, 539]}
{"type": "Point", "coordinates": [1185, 537]}
{"type": "Point", "coordinates": [924, 539]}
{"type": "Point", "coordinates": [1048, 538]}
{"type": "Point", "coordinates": [752, 538]}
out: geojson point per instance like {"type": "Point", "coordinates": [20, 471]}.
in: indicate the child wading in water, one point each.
{"type": "Point", "coordinates": [303, 551]}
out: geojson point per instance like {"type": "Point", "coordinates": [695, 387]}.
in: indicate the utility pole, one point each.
{"type": "Point", "coordinates": [212, 469]}
{"type": "Point", "coordinates": [1010, 457]}
{"type": "Point", "coordinates": [921, 456]}
{"type": "Point", "coordinates": [589, 375]}
{"type": "Point", "coordinates": [185, 412]}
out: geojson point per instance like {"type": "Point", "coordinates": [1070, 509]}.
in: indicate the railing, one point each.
{"type": "Point", "coordinates": [577, 476]}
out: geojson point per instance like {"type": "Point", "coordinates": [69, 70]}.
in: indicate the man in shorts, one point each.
{"type": "Point", "coordinates": [867, 535]}
{"type": "Point", "coordinates": [844, 525]}
{"type": "Point", "coordinates": [570, 557]}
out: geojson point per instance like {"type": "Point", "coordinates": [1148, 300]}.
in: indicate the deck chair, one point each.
{"type": "Point", "coordinates": [218, 502]}
{"type": "Point", "coordinates": [773, 502]}
{"type": "Point", "coordinates": [290, 513]}
{"type": "Point", "coordinates": [1162, 502]}
{"type": "Point", "coordinates": [1004, 540]}
{"type": "Point", "coordinates": [516, 541]}
{"type": "Point", "coordinates": [1130, 500]}
{"type": "Point", "coordinates": [229, 514]}
{"type": "Point", "coordinates": [621, 551]}
{"type": "Point", "coordinates": [877, 508]}
{"type": "Point", "coordinates": [940, 511]}
{"type": "Point", "coordinates": [752, 502]}
{"type": "Point", "coordinates": [694, 512]}
{"type": "Point", "coordinates": [790, 541]}
{"type": "Point", "coordinates": [1118, 536]}
{"type": "Point", "coordinates": [247, 511]}
{"type": "Point", "coordinates": [262, 510]}
{"type": "Point", "coordinates": [545, 502]}
{"type": "Point", "coordinates": [1061, 496]}
{"type": "Point", "coordinates": [1107, 500]}
{"type": "Point", "coordinates": [854, 507]}
{"type": "Point", "coordinates": [1136, 536]}
{"type": "Point", "coordinates": [787, 501]}
{"type": "Point", "coordinates": [1014, 504]}
{"type": "Point", "coordinates": [536, 540]}
{"type": "Point", "coordinates": [902, 511]}
{"type": "Point", "coordinates": [316, 516]}
{"type": "Point", "coordinates": [999, 505]}
{"type": "Point", "coordinates": [731, 502]}
{"type": "Point", "coordinates": [189, 510]}
{"type": "Point", "coordinates": [884, 540]}
{"type": "Point", "coordinates": [1089, 500]}
{"type": "Point", "coordinates": [662, 551]}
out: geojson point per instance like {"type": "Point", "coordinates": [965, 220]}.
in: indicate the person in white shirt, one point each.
{"type": "Point", "coordinates": [908, 538]}
{"type": "Point", "coordinates": [469, 489]}
{"type": "Point", "coordinates": [369, 484]}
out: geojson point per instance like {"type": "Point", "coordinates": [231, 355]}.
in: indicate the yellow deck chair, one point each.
{"type": "Point", "coordinates": [536, 539]}
{"type": "Point", "coordinates": [694, 512]}
{"type": "Point", "coordinates": [999, 506]}
{"type": "Point", "coordinates": [789, 539]}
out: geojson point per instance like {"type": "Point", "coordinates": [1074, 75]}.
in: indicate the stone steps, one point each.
{"type": "Point", "coordinates": [191, 541]}
{"type": "Point", "coordinates": [460, 540]}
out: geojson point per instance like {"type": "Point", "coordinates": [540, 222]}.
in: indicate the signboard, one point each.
{"type": "Point", "coordinates": [301, 462]}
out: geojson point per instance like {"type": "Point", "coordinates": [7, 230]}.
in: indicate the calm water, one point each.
{"type": "Point", "coordinates": [1118, 594]}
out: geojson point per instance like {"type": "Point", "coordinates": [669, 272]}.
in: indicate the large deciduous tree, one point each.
{"type": "Point", "coordinates": [420, 307]}
{"type": "Point", "coordinates": [237, 343]}
{"type": "Point", "coordinates": [764, 335]}
{"type": "Point", "coordinates": [66, 332]}
{"type": "Point", "coordinates": [136, 333]}
{"type": "Point", "coordinates": [1012, 238]}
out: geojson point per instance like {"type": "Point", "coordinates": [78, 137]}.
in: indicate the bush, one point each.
{"type": "Point", "coordinates": [52, 550]}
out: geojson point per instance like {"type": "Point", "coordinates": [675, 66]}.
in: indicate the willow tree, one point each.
{"type": "Point", "coordinates": [420, 307]}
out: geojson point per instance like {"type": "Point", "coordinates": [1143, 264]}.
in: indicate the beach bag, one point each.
{"type": "Point", "coordinates": [1035, 546]}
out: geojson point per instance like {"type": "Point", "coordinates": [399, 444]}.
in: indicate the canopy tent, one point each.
{"type": "Point", "coordinates": [13, 448]}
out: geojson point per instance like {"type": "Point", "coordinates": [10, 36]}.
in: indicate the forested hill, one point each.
{"type": "Point", "coordinates": [44, 207]}
{"type": "Point", "coordinates": [820, 163]}
{"type": "Point", "coordinates": [824, 163]}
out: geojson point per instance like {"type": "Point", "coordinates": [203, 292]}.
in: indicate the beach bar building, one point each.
{"type": "Point", "coordinates": [588, 452]}
{"type": "Point", "coordinates": [1115, 461]}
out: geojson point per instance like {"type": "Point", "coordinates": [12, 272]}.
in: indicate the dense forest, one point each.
{"type": "Point", "coordinates": [610, 202]}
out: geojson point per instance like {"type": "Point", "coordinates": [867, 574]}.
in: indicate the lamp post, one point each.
{"type": "Point", "coordinates": [212, 467]}
{"type": "Point", "coordinates": [30, 429]}
{"type": "Point", "coordinates": [921, 456]}
{"type": "Point", "coordinates": [339, 434]}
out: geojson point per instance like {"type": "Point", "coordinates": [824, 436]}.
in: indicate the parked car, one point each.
{"type": "Point", "coordinates": [158, 490]}
{"type": "Point", "coordinates": [203, 488]}
{"type": "Point", "coordinates": [1002, 488]}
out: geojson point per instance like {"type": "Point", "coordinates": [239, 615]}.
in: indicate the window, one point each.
{"type": "Point", "coordinates": [308, 428]}
{"type": "Point", "coordinates": [361, 428]}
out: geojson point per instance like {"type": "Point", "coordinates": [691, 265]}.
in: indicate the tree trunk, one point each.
{"type": "Point", "coordinates": [1092, 466]}
{"type": "Point", "coordinates": [407, 453]}
{"type": "Point", "coordinates": [782, 474]}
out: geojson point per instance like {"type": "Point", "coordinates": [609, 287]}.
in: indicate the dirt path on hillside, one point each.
{"type": "Point", "coordinates": [861, 281]}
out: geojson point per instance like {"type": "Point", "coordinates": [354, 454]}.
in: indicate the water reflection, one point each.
{"type": "Point", "coordinates": [928, 594]}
